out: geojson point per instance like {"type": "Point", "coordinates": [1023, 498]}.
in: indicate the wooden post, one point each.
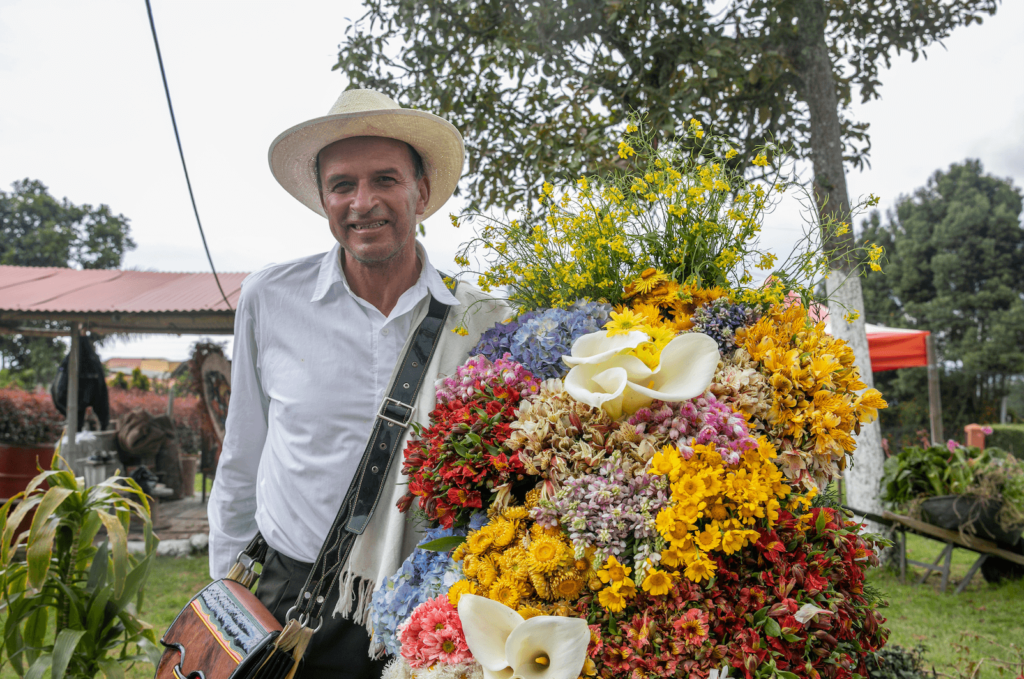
{"type": "Point", "coordinates": [72, 404]}
{"type": "Point", "coordinates": [934, 397]}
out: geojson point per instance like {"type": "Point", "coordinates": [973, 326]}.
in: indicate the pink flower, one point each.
{"type": "Point", "coordinates": [952, 445]}
{"type": "Point", "coordinates": [986, 431]}
{"type": "Point", "coordinates": [692, 627]}
{"type": "Point", "coordinates": [433, 634]}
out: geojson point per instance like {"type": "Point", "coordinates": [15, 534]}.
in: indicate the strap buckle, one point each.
{"type": "Point", "coordinates": [391, 401]}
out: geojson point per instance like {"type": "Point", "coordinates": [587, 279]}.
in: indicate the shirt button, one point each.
{"type": "Point", "coordinates": [384, 332]}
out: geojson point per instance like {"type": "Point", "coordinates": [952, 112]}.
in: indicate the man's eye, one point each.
{"type": "Point", "coordinates": [388, 180]}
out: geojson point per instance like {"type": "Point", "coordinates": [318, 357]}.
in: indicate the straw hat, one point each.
{"type": "Point", "coordinates": [368, 113]}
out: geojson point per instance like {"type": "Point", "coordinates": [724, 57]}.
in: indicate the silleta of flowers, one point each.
{"type": "Point", "coordinates": [628, 478]}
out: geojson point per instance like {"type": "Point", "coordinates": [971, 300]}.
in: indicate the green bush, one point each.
{"type": "Point", "coordinates": [1008, 437]}
{"type": "Point", "coordinates": [896, 662]}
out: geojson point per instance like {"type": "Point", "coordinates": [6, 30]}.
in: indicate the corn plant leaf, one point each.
{"type": "Point", "coordinates": [98, 569]}
{"type": "Point", "coordinates": [39, 667]}
{"type": "Point", "coordinates": [94, 619]}
{"type": "Point", "coordinates": [150, 649]}
{"type": "Point", "coordinates": [35, 633]}
{"type": "Point", "coordinates": [111, 669]}
{"type": "Point", "coordinates": [13, 521]}
{"type": "Point", "coordinates": [133, 582]}
{"type": "Point", "coordinates": [40, 536]}
{"type": "Point", "coordinates": [63, 647]}
{"type": "Point", "coordinates": [119, 549]}
{"type": "Point", "coordinates": [14, 642]}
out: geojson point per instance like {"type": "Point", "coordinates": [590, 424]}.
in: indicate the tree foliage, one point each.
{"type": "Point", "coordinates": [542, 89]}
{"type": "Point", "coordinates": [36, 229]}
{"type": "Point", "coordinates": [956, 268]}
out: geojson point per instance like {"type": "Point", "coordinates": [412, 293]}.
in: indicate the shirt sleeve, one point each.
{"type": "Point", "coordinates": [232, 505]}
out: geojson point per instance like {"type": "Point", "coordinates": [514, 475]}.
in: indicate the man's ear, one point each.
{"type": "Point", "coordinates": [423, 188]}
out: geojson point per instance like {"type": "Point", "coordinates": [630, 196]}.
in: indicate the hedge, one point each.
{"type": "Point", "coordinates": [1008, 437]}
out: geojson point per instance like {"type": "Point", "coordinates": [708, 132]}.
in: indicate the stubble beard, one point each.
{"type": "Point", "coordinates": [386, 262]}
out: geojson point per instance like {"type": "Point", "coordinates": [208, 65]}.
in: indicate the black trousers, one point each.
{"type": "Point", "coordinates": [340, 650]}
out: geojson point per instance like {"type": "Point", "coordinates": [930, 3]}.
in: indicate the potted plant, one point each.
{"type": "Point", "coordinates": [29, 428]}
{"type": "Point", "coordinates": [70, 606]}
{"type": "Point", "coordinates": [980, 492]}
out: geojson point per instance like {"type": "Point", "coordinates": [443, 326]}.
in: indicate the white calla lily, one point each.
{"type": "Point", "coordinates": [507, 647]}
{"type": "Point", "coordinates": [548, 647]}
{"type": "Point", "coordinates": [602, 375]}
{"type": "Point", "coordinates": [597, 347]}
{"type": "Point", "coordinates": [487, 625]}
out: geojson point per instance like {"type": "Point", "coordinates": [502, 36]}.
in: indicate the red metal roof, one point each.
{"type": "Point", "coordinates": [53, 289]}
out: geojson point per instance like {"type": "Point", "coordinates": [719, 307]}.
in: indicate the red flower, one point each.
{"type": "Point", "coordinates": [464, 498]}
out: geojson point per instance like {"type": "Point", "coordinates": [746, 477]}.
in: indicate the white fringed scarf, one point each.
{"type": "Point", "coordinates": [390, 537]}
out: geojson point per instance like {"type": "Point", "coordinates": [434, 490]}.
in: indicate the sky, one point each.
{"type": "Point", "coordinates": [83, 110]}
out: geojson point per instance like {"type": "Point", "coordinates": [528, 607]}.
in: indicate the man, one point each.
{"type": "Point", "coordinates": [316, 343]}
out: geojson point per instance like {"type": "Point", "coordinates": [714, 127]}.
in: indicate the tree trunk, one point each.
{"type": "Point", "coordinates": [818, 90]}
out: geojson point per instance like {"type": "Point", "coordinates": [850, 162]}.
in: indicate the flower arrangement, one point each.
{"type": "Point", "coordinates": [637, 461]}
{"type": "Point", "coordinates": [458, 458]}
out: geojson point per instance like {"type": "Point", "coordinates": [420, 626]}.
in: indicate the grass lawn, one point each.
{"type": "Point", "coordinates": [917, 615]}
{"type": "Point", "coordinates": [992, 615]}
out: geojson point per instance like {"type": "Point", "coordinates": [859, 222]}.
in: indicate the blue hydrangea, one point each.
{"type": "Point", "coordinates": [497, 341]}
{"type": "Point", "coordinates": [721, 319]}
{"type": "Point", "coordinates": [424, 575]}
{"type": "Point", "coordinates": [541, 341]}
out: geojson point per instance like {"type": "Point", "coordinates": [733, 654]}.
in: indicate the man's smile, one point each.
{"type": "Point", "coordinates": [368, 226]}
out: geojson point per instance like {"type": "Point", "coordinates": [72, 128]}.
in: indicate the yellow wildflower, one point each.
{"type": "Point", "coordinates": [657, 582]}
{"type": "Point", "coordinates": [613, 571]}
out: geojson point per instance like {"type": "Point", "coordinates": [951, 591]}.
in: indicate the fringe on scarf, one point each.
{"type": "Point", "coordinates": [353, 604]}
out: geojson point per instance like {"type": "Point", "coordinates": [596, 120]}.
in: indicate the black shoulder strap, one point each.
{"type": "Point", "coordinates": [367, 486]}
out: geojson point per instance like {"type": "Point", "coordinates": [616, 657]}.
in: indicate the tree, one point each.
{"type": "Point", "coordinates": [38, 230]}
{"type": "Point", "coordinates": [956, 268]}
{"type": "Point", "coordinates": [542, 89]}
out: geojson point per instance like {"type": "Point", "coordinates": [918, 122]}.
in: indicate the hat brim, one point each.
{"type": "Point", "coordinates": [293, 154]}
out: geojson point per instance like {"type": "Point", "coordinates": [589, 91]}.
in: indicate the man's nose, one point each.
{"type": "Point", "coordinates": [364, 198]}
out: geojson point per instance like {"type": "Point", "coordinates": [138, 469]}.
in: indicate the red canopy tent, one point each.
{"type": "Point", "coordinates": [893, 348]}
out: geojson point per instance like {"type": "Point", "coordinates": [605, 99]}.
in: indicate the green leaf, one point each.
{"type": "Point", "coordinates": [785, 675]}
{"type": "Point", "coordinates": [119, 543]}
{"type": "Point", "coordinates": [819, 524]}
{"type": "Point", "coordinates": [63, 646]}
{"type": "Point", "coordinates": [13, 521]}
{"type": "Point", "coordinates": [94, 618]}
{"type": "Point", "coordinates": [133, 582]}
{"type": "Point", "coordinates": [35, 633]}
{"type": "Point", "coordinates": [15, 642]}
{"type": "Point", "coordinates": [150, 649]}
{"type": "Point", "coordinates": [444, 544]}
{"type": "Point", "coordinates": [39, 667]}
{"type": "Point", "coordinates": [98, 570]}
{"type": "Point", "coordinates": [772, 629]}
{"type": "Point", "coordinates": [111, 669]}
{"type": "Point", "coordinates": [41, 534]}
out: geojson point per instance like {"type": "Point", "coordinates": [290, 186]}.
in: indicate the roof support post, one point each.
{"type": "Point", "coordinates": [73, 367]}
{"type": "Point", "coordinates": [934, 396]}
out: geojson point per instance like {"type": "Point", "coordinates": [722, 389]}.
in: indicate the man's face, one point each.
{"type": "Point", "coordinates": [371, 196]}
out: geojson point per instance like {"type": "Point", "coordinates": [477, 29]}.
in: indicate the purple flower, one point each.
{"type": "Point", "coordinates": [703, 420]}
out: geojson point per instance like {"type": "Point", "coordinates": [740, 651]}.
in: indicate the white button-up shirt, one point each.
{"type": "Point", "coordinates": [311, 365]}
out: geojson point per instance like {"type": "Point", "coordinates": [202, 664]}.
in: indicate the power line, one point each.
{"type": "Point", "coordinates": [177, 137]}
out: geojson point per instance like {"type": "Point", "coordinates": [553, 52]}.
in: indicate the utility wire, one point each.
{"type": "Point", "coordinates": [177, 137]}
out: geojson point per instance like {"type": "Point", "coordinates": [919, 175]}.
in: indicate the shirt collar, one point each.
{"type": "Point", "coordinates": [331, 273]}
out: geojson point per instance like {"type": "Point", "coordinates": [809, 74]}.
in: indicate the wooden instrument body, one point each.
{"type": "Point", "coordinates": [218, 635]}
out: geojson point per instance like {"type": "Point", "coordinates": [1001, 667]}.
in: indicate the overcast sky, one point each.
{"type": "Point", "coordinates": [82, 109]}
